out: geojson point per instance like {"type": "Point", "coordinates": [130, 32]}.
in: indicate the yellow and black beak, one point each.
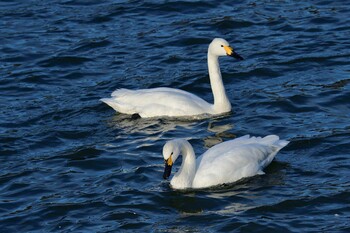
{"type": "Point", "coordinates": [230, 52]}
{"type": "Point", "coordinates": [168, 166]}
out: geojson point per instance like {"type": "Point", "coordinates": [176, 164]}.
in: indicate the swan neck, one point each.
{"type": "Point", "coordinates": [221, 101]}
{"type": "Point", "coordinates": [187, 171]}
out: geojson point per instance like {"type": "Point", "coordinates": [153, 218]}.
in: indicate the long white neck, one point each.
{"type": "Point", "coordinates": [221, 102]}
{"type": "Point", "coordinates": [184, 177]}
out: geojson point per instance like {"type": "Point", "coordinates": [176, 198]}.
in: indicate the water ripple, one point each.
{"type": "Point", "coordinates": [70, 163]}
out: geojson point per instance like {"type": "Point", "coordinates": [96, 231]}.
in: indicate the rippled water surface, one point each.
{"type": "Point", "coordinates": [69, 163]}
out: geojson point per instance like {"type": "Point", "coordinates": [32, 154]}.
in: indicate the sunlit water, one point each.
{"type": "Point", "coordinates": [69, 163]}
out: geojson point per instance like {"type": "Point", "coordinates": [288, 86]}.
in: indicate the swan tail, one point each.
{"type": "Point", "coordinates": [117, 101]}
{"type": "Point", "coordinates": [261, 172]}
{"type": "Point", "coordinates": [274, 144]}
{"type": "Point", "coordinates": [275, 141]}
{"type": "Point", "coordinates": [281, 143]}
{"type": "Point", "coordinates": [118, 106]}
{"type": "Point", "coordinates": [112, 103]}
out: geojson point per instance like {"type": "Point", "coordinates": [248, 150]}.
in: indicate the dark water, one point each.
{"type": "Point", "coordinates": [69, 163]}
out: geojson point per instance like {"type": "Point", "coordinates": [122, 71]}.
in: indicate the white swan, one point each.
{"type": "Point", "coordinates": [226, 162]}
{"type": "Point", "coordinates": [170, 102]}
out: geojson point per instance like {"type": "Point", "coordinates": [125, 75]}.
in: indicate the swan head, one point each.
{"type": "Point", "coordinates": [171, 152]}
{"type": "Point", "coordinates": [220, 47]}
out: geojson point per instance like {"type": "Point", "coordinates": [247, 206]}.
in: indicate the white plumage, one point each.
{"type": "Point", "coordinates": [170, 102]}
{"type": "Point", "coordinates": [226, 162]}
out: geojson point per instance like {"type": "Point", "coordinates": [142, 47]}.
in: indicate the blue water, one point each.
{"type": "Point", "coordinates": [69, 163]}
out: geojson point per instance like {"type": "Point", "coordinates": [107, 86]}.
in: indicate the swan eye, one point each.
{"type": "Point", "coordinates": [172, 153]}
{"type": "Point", "coordinates": [222, 46]}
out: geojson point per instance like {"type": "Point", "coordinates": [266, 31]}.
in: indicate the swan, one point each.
{"type": "Point", "coordinates": [223, 163]}
{"type": "Point", "coordinates": [171, 102]}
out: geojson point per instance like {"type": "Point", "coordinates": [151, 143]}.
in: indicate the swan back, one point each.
{"type": "Point", "coordinates": [230, 161]}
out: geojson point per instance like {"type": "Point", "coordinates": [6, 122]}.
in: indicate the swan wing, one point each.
{"type": "Point", "coordinates": [233, 160]}
{"type": "Point", "coordinates": [221, 148]}
{"type": "Point", "coordinates": [157, 102]}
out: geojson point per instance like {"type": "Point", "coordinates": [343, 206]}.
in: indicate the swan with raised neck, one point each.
{"type": "Point", "coordinates": [171, 102]}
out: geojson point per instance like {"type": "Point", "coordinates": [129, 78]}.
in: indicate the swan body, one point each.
{"type": "Point", "coordinates": [171, 102]}
{"type": "Point", "coordinates": [226, 162]}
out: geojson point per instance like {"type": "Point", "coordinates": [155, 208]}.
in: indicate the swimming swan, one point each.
{"type": "Point", "coordinates": [224, 163]}
{"type": "Point", "coordinates": [170, 102]}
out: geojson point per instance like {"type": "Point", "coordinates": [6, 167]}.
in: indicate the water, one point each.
{"type": "Point", "coordinates": [69, 163]}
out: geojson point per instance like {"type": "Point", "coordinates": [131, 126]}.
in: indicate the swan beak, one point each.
{"type": "Point", "coordinates": [168, 166]}
{"type": "Point", "coordinates": [230, 52]}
